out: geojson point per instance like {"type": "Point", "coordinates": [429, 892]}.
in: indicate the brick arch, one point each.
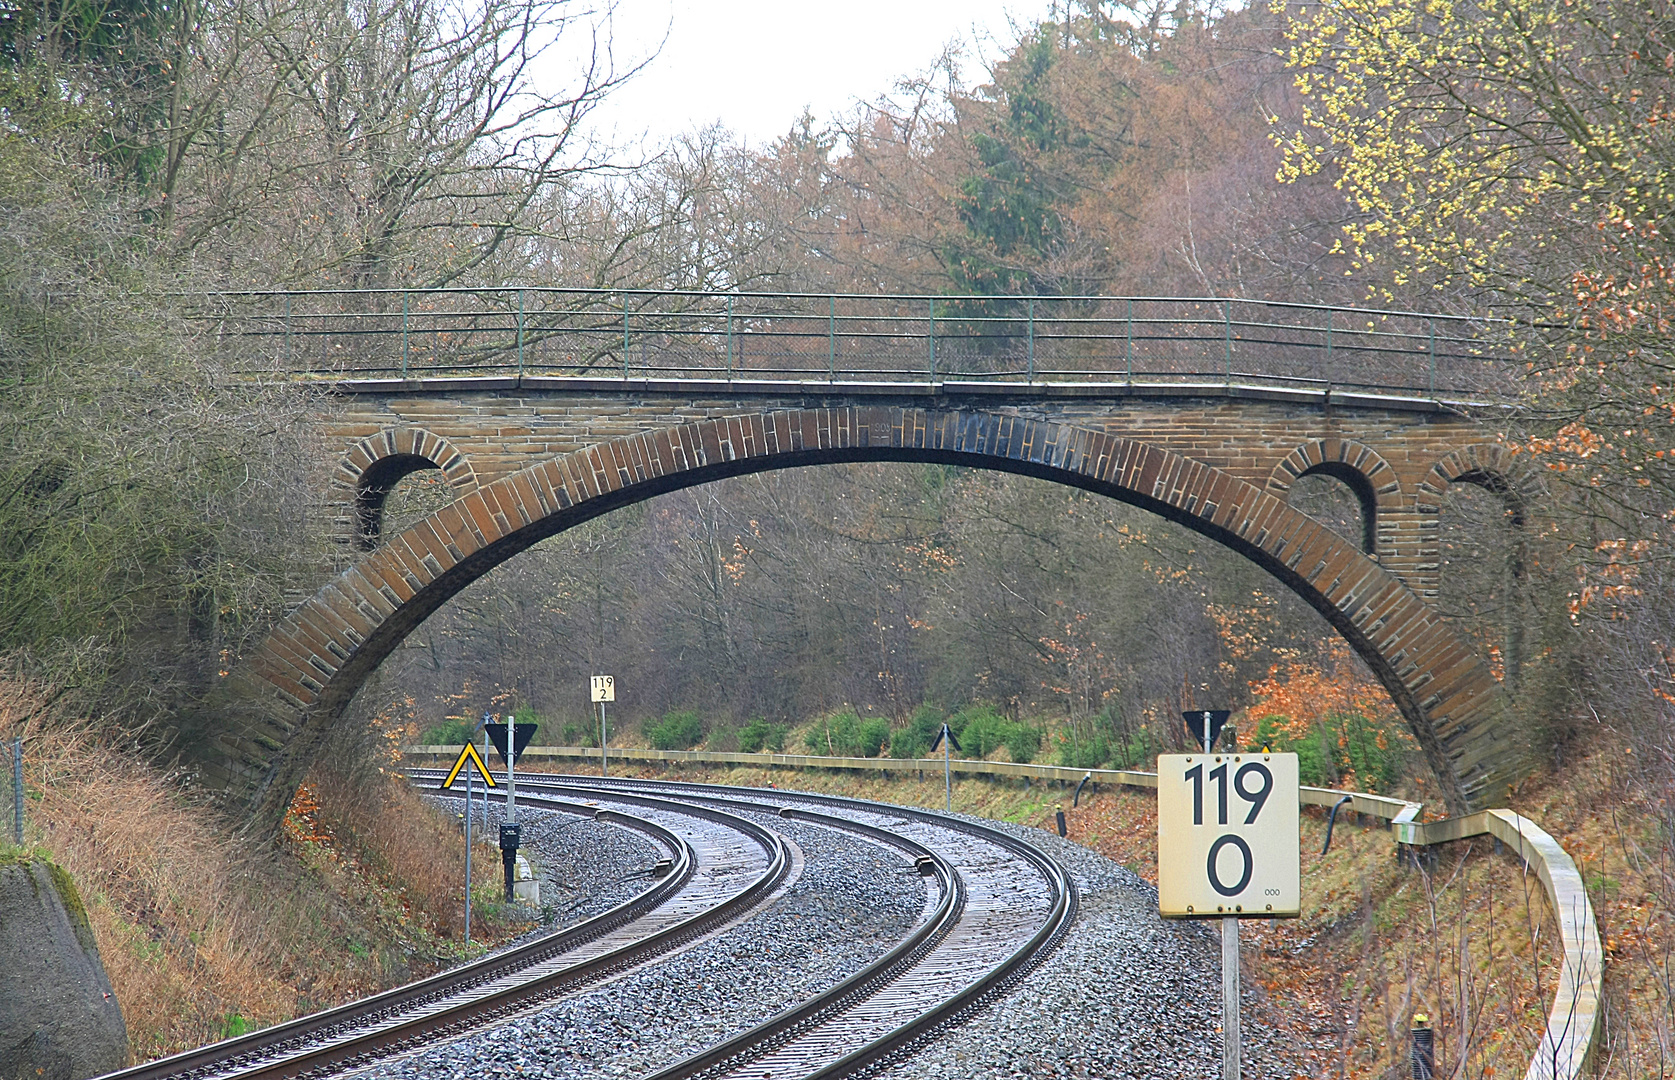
{"type": "Point", "coordinates": [1362, 468]}
{"type": "Point", "coordinates": [1488, 465]}
{"type": "Point", "coordinates": [279, 705]}
{"type": "Point", "coordinates": [372, 467]}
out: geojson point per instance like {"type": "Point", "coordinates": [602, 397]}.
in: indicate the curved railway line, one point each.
{"type": "Point", "coordinates": [712, 877]}
{"type": "Point", "coordinates": [994, 908]}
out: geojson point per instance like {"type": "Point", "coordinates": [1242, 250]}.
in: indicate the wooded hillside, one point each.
{"type": "Point", "coordinates": [160, 512]}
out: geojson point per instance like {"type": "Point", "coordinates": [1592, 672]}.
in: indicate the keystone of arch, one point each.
{"type": "Point", "coordinates": [282, 702]}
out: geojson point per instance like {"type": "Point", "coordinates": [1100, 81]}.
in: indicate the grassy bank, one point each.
{"type": "Point", "coordinates": [206, 936]}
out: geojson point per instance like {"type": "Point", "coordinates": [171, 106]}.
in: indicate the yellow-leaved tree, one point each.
{"type": "Point", "coordinates": [1520, 155]}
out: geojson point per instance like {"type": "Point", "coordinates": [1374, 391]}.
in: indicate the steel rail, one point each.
{"type": "Point", "coordinates": [738, 1053]}
{"type": "Point", "coordinates": [1570, 1037]}
{"type": "Point", "coordinates": [455, 1001]}
{"type": "Point", "coordinates": [425, 991]}
{"type": "Point", "coordinates": [730, 1054]}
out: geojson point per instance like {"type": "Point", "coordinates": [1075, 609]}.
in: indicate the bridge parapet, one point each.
{"type": "Point", "coordinates": [642, 334]}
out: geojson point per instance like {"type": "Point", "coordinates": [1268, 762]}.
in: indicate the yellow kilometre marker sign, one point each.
{"type": "Point", "coordinates": [468, 753]}
{"type": "Point", "coordinates": [1227, 839]}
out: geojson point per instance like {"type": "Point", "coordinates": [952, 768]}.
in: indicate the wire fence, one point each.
{"type": "Point", "coordinates": [13, 788]}
{"type": "Point", "coordinates": [407, 334]}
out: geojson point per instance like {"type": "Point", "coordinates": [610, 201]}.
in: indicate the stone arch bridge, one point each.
{"type": "Point", "coordinates": [545, 410]}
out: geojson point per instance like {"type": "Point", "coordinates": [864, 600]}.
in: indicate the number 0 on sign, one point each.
{"type": "Point", "coordinates": [1227, 839]}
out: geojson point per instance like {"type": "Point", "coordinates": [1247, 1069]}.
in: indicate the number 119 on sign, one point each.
{"type": "Point", "coordinates": [1227, 840]}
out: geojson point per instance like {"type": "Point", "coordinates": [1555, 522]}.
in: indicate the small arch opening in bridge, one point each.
{"type": "Point", "coordinates": [395, 491]}
{"type": "Point", "coordinates": [1483, 568]}
{"type": "Point", "coordinates": [1340, 497]}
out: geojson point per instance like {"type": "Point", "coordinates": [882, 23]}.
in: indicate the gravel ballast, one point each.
{"type": "Point", "coordinates": [853, 901]}
{"type": "Point", "coordinates": [585, 867]}
{"type": "Point", "coordinates": [1125, 993]}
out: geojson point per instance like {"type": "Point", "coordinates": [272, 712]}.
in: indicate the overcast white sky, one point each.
{"type": "Point", "coordinates": [754, 64]}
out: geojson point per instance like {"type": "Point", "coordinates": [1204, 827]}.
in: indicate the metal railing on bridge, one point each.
{"type": "Point", "coordinates": [646, 334]}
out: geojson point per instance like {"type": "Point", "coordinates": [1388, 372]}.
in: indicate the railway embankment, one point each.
{"type": "Point", "coordinates": [177, 906]}
{"type": "Point", "coordinates": [204, 935]}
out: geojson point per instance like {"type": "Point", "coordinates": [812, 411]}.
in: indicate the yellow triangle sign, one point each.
{"type": "Point", "coordinates": [469, 753]}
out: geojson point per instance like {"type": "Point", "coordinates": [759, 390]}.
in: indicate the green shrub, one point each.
{"type": "Point", "coordinates": [915, 739]}
{"type": "Point", "coordinates": [1140, 752]}
{"type": "Point", "coordinates": [1093, 752]}
{"type": "Point", "coordinates": [832, 735]}
{"type": "Point", "coordinates": [871, 735]}
{"type": "Point", "coordinates": [451, 732]}
{"type": "Point", "coordinates": [982, 729]}
{"type": "Point", "coordinates": [758, 735]}
{"type": "Point", "coordinates": [1023, 743]}
{"type": "Point", "coordinates": [1343, 743]}
{"type": "Point", "coordinates": [577, 733]}
{"type": "Point", "coordinates": [678, 730]}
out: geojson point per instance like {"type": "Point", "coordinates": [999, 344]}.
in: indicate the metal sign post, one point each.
{"type": "Point", "coordinates": [1227, 849]}
{"type": "Point", "coordinates": [510, 832]}
{"type": "Point", "coordinates": [945, 738]}
{"type": "Point", "coordinates": [1205, 725]}
{"type": "Point", "coordinates": [1230, 1034]}
{"type": "Point", "coordinates": [483, 726]}
{"type": "Point", "coordinates": [468, 816]}
{"type": "Point", "coordinates": [468, 756]}
{"type": "Point", "coordinates": [947, 772]}
{"type": "Point", "coordinates": [511, 739]}
{"type": "Point", "coordinates": [604, 689]}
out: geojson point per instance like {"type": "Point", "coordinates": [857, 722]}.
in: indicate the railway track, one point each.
{"type": "Point", "coordinates": [1002, 905]}
{"type": "Point", "coordinates": [994, 907]}
{"type": "Point", "coordinates": [711, 876]}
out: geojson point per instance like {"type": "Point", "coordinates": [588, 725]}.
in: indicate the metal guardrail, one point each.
{"type": "Point", "coordinates": [1567, 1043]}
{"type": "Point", "coordinates": [836, 338]}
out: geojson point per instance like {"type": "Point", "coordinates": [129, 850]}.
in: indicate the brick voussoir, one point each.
{"type": "Point", "coordinates": [370, 591]}
{"type": "Point", "coordinates": [347, 606]}
{"type": "Point", "coordinates": [537, 495]}
{"type": "Point", "coordinates": [621, 470]}
{"type": "Point", "coordinates": [1257, 512]}
{"type": "Point", "coordinates": [333, 620]}
{"type": "Point", "coordinates": [593, 470]}
{"type": "Point", "coordinates": [290, 653]}
{"type": "Point", "coordinates": [578, 479]}
{"type": "Point", "coordinates": [1352, 581]}
{"type": "Point", "coordinates": [405, 561]}
{"type": "Point", "coordinates": [456, 538]}
{"type": "Point", "coordinates": [1270, 525]}
{"type": "Point", "coordinates": [315, 657]}
{"type": "Point", "coordinates": [519, 501]}
{"type": "Point", "coordinates": [435, 547]}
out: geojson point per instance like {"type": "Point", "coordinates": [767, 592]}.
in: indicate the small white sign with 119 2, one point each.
{"type": "Point", "coordinates": [604, 688]}
{"type": "Point", "coordinates": [1227, 840]}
